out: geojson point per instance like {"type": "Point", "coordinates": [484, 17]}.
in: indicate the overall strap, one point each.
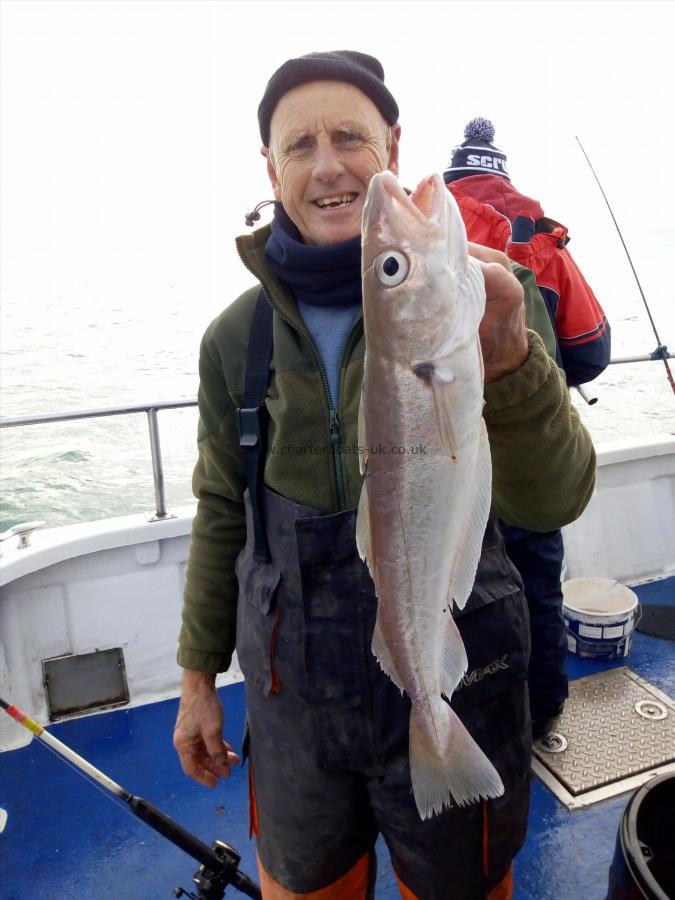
{"type": "Point", "coordinates": [252, 416]}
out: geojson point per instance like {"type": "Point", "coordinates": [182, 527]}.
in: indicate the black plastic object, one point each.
{"type": "Point", "coordinates": [644, 862]}
{"type": "Point", "coordinates": [657, 620]}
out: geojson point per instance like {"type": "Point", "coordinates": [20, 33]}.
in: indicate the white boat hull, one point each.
{"type": "Point", "coordinates": [119, 582]}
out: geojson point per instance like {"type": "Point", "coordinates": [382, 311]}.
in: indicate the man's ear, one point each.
{"type": "Point", "coordinates": [395, 132]}
{"type": "Point", "coordinates": [271, 173]}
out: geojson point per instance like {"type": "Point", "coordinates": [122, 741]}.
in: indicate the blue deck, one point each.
{"type": "Point", "coordinates": [65, 839]}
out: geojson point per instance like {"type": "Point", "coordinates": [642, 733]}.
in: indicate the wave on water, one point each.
{"type": "Point", "coordinates": [55, 459]}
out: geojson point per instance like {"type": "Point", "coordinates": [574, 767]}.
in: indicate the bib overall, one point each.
{"type": "Point", "coordinates": [327, 736]}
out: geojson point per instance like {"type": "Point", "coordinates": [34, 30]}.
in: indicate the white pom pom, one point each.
{"type": "Point", "coordinates": [480, 129]}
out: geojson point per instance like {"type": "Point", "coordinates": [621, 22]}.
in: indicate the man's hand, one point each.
{"type": "Point", "coordinates": [198, 735]}
{"type": "Point", "coordinates": [502, 332]}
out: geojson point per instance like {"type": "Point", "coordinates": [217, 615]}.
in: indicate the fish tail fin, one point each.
{"type": "Point", "coordinates": [461, 772]}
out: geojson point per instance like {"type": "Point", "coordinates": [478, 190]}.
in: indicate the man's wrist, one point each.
{"type": "Point", "coordinates": [507, 366]}
{"type": "Point", "coordinates": [194, 680]}
{"type": "Point", "coordinates": [522, 385]}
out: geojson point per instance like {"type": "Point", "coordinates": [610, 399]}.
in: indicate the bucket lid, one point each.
{"type": "Point", "coordinates": [598, 596]}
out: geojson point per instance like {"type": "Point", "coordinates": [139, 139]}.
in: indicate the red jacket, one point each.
{"type": "Point", "coordinates": [497, 215]}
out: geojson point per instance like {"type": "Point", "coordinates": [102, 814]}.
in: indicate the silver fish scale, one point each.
{"type": "Point", "coordinates": [615, 726]}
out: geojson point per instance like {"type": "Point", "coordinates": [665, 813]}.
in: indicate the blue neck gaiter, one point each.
{"type": "Point", "coordinates": [326, 285]}
{"type": "Point", "coordinates": [324, 276]}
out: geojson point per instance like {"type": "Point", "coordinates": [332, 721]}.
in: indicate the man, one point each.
{"type": "Point", "coordinates": [497, 215]}
{"type": "Point", "coordinates": [327, 730]}
{"type": "Point", "coordinates": [478, 172]}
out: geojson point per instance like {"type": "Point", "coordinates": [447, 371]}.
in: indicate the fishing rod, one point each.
{"type": "Point", "coordinates": [219, 863]}
{"type": "Point", "coordinates": [661, 351]}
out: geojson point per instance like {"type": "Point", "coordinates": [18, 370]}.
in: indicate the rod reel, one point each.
{"type": "Point", "coordinates": [211, 884]}
{"type": "Point", "coordinates": [219, 862]}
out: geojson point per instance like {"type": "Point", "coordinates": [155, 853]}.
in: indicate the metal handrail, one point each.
{"type": "Point", "coordinates": [101, 412]}
{"type": "Point", "coordinates": [151, 410]}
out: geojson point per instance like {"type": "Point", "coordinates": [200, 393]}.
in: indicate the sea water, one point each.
{"type": "Point", "coordinates": [99, 347]}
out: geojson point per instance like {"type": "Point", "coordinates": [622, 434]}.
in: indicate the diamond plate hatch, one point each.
{"type": "Point", "coordinates": [616, 732]}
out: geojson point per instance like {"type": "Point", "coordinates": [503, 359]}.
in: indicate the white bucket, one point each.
{"type": "Point", "coordinates": [600, 615]}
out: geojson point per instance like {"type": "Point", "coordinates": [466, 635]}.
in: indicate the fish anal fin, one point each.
{"type": "Point", "coordinates": [384, 657]}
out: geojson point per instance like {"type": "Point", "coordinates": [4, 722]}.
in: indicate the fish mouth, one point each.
{"type": "Point", "coordinates": [427, 196]}
{"type": "Point", "coordinates": [387, 197]}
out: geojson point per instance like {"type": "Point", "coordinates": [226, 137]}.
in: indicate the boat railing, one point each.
{"type": "Point", "coordinates": [152, 409]}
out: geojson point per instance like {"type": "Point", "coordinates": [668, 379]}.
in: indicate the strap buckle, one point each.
{"type": "Point", "coordinates": [248, 426]}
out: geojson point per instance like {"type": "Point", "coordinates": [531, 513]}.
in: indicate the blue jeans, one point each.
{"type": "Point", "coordinates": [538, 557]}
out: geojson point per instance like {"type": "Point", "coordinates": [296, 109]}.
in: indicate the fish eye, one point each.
{"type": "Point", "coordinates": [391, 268]}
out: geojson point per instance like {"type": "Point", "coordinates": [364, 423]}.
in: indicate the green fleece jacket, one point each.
{"type": "Point", "coordinates": [543, 459]}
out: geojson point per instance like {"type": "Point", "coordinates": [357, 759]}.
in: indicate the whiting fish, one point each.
{"type": "Point", "coordinates": [426, 496]}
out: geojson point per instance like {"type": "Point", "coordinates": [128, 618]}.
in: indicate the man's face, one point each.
{"type": "Point", "coordinates": [327, 141]}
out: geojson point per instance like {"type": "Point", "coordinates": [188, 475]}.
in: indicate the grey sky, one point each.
{"type": "Point", "coordinates": [130, 142]}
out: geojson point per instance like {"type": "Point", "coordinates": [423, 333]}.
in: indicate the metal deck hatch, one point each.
{"type": "Point", "coordinates": [85, 682]}
{"type": "Point", "coordinates": [616, 732]}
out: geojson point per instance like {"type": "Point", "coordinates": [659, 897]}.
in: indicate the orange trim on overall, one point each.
{"type": "Point", "coordinates": [352, 886]}
{"type": "Point", "coordinates": [406, 893]}
{"type": "Point", "coordinates": [486, 839]}
{"type": "Point", "coordinates": [253, 825]}
{"type": "Point", "coordinates": [276, 681]}
{"type": "Point", "coordinates": [501, 891]}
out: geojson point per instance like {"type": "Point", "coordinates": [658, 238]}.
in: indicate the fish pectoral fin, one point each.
{"type": "Point", "coordinates": [456, 770]}
{"type": "Point", "coordinates": [443, 402]}
{"type": "Point", "coordinates": [362, 437]}
{"type": "Point", "coordinates": [463, 574]}
{"type": "Point", "coordinates": [383, 655]}
{"type": "Point", "coordinates": [363, 533]}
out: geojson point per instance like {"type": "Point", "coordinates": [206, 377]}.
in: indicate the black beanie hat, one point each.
{"type": "Point", "coordinates": [477, 155]}
{"type": "Point", "coordinates": [363, 71]}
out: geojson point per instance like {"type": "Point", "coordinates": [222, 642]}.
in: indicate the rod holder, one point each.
{"type": "Point", "coordinates": [589, 398]}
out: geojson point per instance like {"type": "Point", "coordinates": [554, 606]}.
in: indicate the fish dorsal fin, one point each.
{"type": "Point", "coordinates": [466, 560]}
